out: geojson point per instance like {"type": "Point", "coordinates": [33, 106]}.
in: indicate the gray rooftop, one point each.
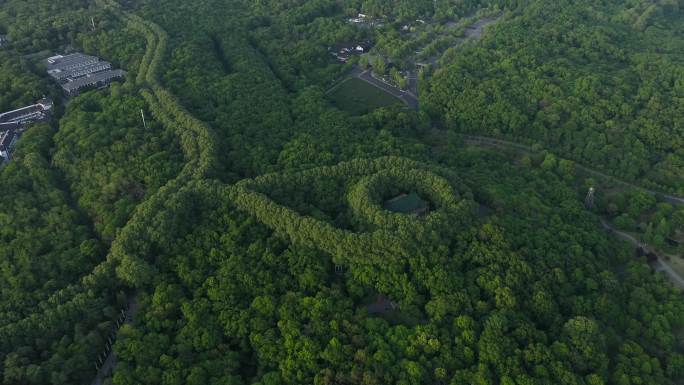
{"type": "Point", "coordinates": [11, 116]}
{"type": "Point", "coordinates": [67, 62]}
{"type": "Point", "coordinates": [6, 138]}
{"type": "Point", "coordinates": [9, 126]}
{"type": "Point", "coordinates": [59, 74]}
{"type": "Point", "coordinates": [92, 79]}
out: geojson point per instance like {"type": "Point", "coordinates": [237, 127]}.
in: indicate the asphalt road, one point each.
{"type": "Point", "coordinates": [663, 265]}
{"type": "Point", "coordinates": [476, 30]}
{"type": "Point", "coordinates": [407, 97]}
{"type": "Point", "coordinates": [410, 97]}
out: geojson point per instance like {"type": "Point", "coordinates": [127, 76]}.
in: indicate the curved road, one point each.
{"type": "Point", "coordinates": [406, 96]}
{"type": "Point", "coordinates": [367, 76]}
{"type": "Point", "coordinates": [662, 263]}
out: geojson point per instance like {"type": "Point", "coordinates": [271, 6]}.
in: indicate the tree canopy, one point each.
{"type": "Point", "coordinates": [244, 226]}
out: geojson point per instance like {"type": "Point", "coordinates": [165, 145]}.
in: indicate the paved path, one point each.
{"type": "Point", "coordinates": [110, 362]}
{"type": "Point", "coordinates": [477, 29]}
{"type": "Point", "coordinates": [662, 264]}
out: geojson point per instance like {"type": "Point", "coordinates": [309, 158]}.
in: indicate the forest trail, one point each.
{"type": "Point", "coordinates": [493, 142]}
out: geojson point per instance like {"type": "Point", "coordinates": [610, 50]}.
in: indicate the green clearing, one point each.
{"type": "Point", "coordinates": [407, 204]}
{"type": "Point", "coordinates": [358, 97]}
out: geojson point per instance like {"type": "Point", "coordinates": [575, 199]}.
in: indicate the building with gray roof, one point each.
{"type": "Point", "coordinates": [69, 62]}
{"type": "Point", "coordinates": [12, 124]}
{"type": "Point", "coordinates": [77, 71]}
{"type": "Point", "coordinates": [73, 73]}
{"type": "Point", "coordinates": [97, 79]}
{"type": "Point", "coordinates": [28, 114]}
{"type": "Point", "coordinates": [8, 140]}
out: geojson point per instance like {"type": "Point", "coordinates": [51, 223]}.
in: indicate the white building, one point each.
{"type": "Point", "coordinates": [8, 139]}
{"type": "Point", "coordinates": [28, 114]}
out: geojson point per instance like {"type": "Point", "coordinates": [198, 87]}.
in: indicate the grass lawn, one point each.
{"type": "Point", "coordinates": [358, 97]}
{"type": "Point", "coordinates": [406, 204]}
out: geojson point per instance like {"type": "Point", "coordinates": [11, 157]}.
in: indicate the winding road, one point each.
{"type": "Point", "coordinates": [663, 265]}
{"type": "Point", "coordinates": [476, 30]}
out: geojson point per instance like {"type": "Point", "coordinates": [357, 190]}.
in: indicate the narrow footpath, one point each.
{"type": "Point", "coordinates": [109, 363]}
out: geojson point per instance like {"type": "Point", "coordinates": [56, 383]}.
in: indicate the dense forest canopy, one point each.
{"type": "Point", "coordinates": [242, 228]}
{"type": "Point", "coordinates": [18, 86]}
{"type": "Point", "coordinates": [599, 83]}
{"type": "Point", "coordinates": [122, 165]}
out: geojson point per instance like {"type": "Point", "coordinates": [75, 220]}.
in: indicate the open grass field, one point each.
{"type": "Point", "coordinates": [358, 97]}
{"type": "Point", "coordinates": [406, 204]}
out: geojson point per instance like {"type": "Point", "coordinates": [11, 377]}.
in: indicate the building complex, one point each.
{"type": "Point", "coordinates": [73, 72]}
{"type": "Point", "coordinates": [12, 124]}
{"type": "Point", "coordinates": [77, 71]}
